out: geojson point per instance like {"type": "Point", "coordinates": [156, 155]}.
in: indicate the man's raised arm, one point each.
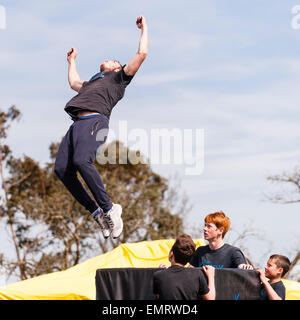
{"type": "Point", "coordinates": [133, 65]}
{"type": "Point", "coordinates": [73, 76]}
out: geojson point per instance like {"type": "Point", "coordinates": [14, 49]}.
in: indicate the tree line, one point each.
{"type": "Point", "coordinates": [50, 231]}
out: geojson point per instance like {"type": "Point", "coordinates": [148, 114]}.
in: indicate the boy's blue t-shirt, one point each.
{"type": "Point", "coordinates": [180, 283]}
{"type": "Point", "coordinates": [278, 287]}
{"type": "Point", "coordinates": [225, 257]}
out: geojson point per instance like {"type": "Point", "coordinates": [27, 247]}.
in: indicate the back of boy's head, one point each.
{"type": "Point", "coordinates": [281, 262]}
{"type": "Point", "coordinates": [183, 249]}
{"type": "Point", "coordinates": [220, 220]}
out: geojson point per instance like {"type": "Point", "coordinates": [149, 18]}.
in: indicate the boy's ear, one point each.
{"type": "Point", "coordinates": [280, 271]}
{"type": "Point", "coordinates": [221, 230]}
{"type": "Point", "coordinates": [171, 255]}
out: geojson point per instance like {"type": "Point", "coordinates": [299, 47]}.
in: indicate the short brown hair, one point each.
{"type": "Point", "coordinates": [220, 220]}
{"type": "Point", "coordinates": [183, 249]}
{"type": "Point", "coordinates": [281, 262]}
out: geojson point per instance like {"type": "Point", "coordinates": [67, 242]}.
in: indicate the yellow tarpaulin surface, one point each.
{"type": "Point", "coordinates": [78, 282]}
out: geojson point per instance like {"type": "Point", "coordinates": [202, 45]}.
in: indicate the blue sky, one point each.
{"type": "Point", "coordinates": [229, 67]}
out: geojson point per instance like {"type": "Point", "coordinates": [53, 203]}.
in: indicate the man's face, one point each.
{"type": "Point", "coordinates": [110, 65]}
{"type": "Point", "coordinates": [271, 269]}
{"type": "Point", "coordinates": [211, 231]}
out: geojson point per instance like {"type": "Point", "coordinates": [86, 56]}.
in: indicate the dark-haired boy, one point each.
{"type": "Point", "coordinates": [180, 283]}
{"type": "Point", "coordinates": [277, 267]}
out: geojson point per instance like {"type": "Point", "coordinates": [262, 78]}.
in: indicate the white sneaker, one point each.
{"type": "Point", "coordinates": [99, 218]}
{"type": "Point", "coordinates": [114, 220]}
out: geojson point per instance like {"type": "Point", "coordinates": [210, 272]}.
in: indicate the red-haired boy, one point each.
{"type": "Point", "coordinates": [217, 253]}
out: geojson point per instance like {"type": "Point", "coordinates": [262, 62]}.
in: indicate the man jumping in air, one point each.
{"type": "Point", "coordinates": [90, 110]}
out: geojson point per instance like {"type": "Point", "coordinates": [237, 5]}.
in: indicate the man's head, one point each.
{"type": "Point", "coordinates": [110, 65]}
{"type": "Point", "coordinates": [277, 265]}
{"type": "Point", "coordinates": [216, 225]}
{"type": "Point", "coordinates": [182, 250]}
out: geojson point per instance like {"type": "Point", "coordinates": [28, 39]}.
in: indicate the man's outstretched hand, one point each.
{"type": "Point", "coordinates": [135, 62]}
{"type": "Point", "coordinates": [72, 54]}
{"type": "Point", "coordinates": [141, 22]}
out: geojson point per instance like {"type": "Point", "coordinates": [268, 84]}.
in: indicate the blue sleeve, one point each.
{"type": "Point", "coordinates": [203, 287]}
{"type": "Point", "coordinates": [122, 78]}
{"type": "Point", "coordinates": [237, 258]}
{"type": "Point", "coordinates": [194, 261]}
{"type": "Point", "coordinates": [280, 290]}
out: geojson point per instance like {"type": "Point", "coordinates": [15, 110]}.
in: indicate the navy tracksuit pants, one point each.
{"type": "Point", "coordinates": [77, 152]}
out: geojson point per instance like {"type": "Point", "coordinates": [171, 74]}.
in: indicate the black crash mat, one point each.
{"type": "Point", "coordinates": [237, 284]}
{"type": "Point", "coordinates": [137, 284]}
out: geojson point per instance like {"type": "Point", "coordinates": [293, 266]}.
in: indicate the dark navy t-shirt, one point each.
{"type": "Point", "coordinates": [100, 95]}
{"type": "Point", "coordinates": [225, 257]}
{"type": "Point", "coordinates": [278, 287]}
{"type": "Point", "coordinates": [179, 283]}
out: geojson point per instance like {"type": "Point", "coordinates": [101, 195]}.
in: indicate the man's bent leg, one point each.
{"type": "Point", "coordinates": [93, 180]}
{"type": "Point", "coordinates": [66, 172]}
{"type": "Point", "coordinates": [84, 137]}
